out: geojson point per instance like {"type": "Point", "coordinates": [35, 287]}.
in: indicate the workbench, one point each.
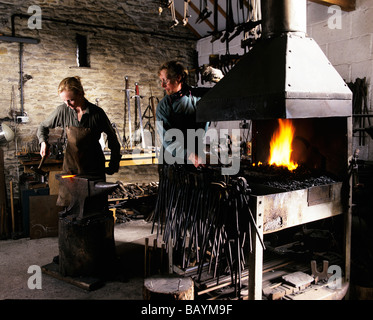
{"type": "Point", "coordinates": [128, 159]}
{"type": "Point", "coordinates": [135, 158]}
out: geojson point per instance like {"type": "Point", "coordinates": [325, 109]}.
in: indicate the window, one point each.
{"type": "Point", "coordinates": [82, 51]}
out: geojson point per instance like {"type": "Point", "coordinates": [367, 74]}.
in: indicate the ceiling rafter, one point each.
{"type": "Point", "coordinates": [220, 9]}
{"type": "Point", "coordinates": [346, 5]}
{"type": "Point", "coordinates": [194, 31]}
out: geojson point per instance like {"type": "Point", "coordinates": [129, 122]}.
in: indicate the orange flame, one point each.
{"type": "Point", "coordinates": [68, 176]}
{"type": "Point", "coordinates": [280, 145]}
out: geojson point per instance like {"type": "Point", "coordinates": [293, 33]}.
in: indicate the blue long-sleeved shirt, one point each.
{"type": "Point", "coordinates": [177, 111]}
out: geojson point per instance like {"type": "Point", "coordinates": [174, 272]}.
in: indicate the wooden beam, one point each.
{"type": "Point", "coordinates": [220, 9]}
{"type": "Point", "coordinates": [180, 18]}
{"type": "Point", "coordinates": [346, 5]}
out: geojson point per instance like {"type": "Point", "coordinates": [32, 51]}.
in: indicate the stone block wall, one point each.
{"type": "Point", "coordinates": [124, 38]}
{"type": "Point", "coordinates": [349, 49]}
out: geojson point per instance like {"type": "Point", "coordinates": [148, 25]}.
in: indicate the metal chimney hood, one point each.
{"type": "Point", "coordinates": [285, 75]}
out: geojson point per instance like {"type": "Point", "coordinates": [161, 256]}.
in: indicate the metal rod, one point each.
{"type": "Point", "coordinates": [21, 75]}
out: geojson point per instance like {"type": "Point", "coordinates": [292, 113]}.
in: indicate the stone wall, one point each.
{"type": "Point", "coordinates": [125, 38]}
{"type": "Point", "coordinates": [349, 49]}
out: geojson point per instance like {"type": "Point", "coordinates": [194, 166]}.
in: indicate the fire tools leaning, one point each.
{"type": "Point", "coordinates": [138, 134]}
{"type": "Point", "coordinates": [206, 218]}
{"type": "Point", "coordinates": [127, 103]}
{"type": "Point", "coordinates": [138, 108]}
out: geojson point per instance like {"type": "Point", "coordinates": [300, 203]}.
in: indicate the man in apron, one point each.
{"type": "Point", "coordinates": [83, 123]}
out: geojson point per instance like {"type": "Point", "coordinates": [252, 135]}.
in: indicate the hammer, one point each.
{"type": "Point", "coordinates": [38, 169]}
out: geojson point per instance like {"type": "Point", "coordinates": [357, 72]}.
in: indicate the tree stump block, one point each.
{"type": "Point", "coordinates": [168, 287]}
{"type": "Point", "coordinates": [86, 248]}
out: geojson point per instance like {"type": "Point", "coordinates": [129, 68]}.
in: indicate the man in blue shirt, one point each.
{"type": "Point", "coordinates": [177, 110]}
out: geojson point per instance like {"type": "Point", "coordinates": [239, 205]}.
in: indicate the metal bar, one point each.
{"type": "Point", "coordinates": [21, 76]}
{"type": "Point", "coordinates": [19, 39]}
{"type": "Point", "coordinates": [256, 258]}
{"type": "Point", "coordinates": [145, 256]}
{"type": "Point", "coordinates": [128, 101]}
{"type": "Point", "coordinates": [348, 207]}
{"type": "Point", "coordinates": [138, 105]}
{"type": "Point", "coordinates": [170, 257]}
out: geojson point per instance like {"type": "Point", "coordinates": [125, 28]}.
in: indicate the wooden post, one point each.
{"type": "Point", "coordinates": [12, 206]}
{"type": "Point", "coordinates": [256, 257]}
{"type": "Point", "coordinates": [3, 229]}
{"type": "Point", "coordinates": [146, 257]}
{"type": "Point", "coordinates": [170, 256]}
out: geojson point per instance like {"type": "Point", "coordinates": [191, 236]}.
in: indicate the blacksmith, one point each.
{"type": "Point", "coordinates": [83, 123]}
{"type": "Point", "coordinates": [177, 110]}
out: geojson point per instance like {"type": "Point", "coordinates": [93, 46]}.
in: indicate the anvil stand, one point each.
{"type": "Point", "coordinates": [85, 234]}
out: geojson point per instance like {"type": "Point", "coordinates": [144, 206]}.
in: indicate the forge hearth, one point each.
{"type": "Point", "coordinates": [86, 228]}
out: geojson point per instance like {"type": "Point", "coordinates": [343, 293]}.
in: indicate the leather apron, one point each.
{"type": "Point", "coordinates": [83, 156]}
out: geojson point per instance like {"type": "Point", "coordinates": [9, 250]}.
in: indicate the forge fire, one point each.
{"type": "Point", "coordinates": [281, 145]}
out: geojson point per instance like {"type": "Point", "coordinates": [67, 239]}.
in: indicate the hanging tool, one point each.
{"type": "Point", "coordinates": [152, 104]}
{"type": "Point", "coordinates": [128, 108]}
{"type": "Point", "coordinates": [205, 12]}
{"type": "Point", "coordinates": [244, 27]}
{"type": "Point", "coordinates": [38, 170]}
{"type": "Point", "coordinates": [229, 24]}
{"type": "Point", "coordinates": [138, 107]}
{"type": "Point", "coordinates": [149, 114]}
{"type": "Point", "coordinates": [215, 34]}
{"type": "Point", "coordinates": [359, 106]}
{"type": "Point", "coordinates": [253, 14]}
{"type": "Point", "coordinates": [163, 3]}
{"type": "Point", "coordinates": [186, 12]}
{"type": "Point", "coordinates": [173, 14]}
{"type": "Point", "coordinates": [117, 131]}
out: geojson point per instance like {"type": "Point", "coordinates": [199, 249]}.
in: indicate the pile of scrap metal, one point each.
{"type": "Point", "coordinates": [133, 201]}
{"type": "Point", "coordinates": [134, 190]}
{"type": "Point", "coordinates": [205, 217]}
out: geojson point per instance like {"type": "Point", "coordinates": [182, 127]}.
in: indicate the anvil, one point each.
{"type": "Point", "coordinates": [88, 195]}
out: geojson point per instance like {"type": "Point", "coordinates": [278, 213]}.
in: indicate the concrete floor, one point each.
{"type": "Point", "coordinates": [16, 256]}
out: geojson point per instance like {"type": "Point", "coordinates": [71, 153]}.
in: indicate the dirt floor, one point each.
{"type": "Point", "coordinates": [16, 256]}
